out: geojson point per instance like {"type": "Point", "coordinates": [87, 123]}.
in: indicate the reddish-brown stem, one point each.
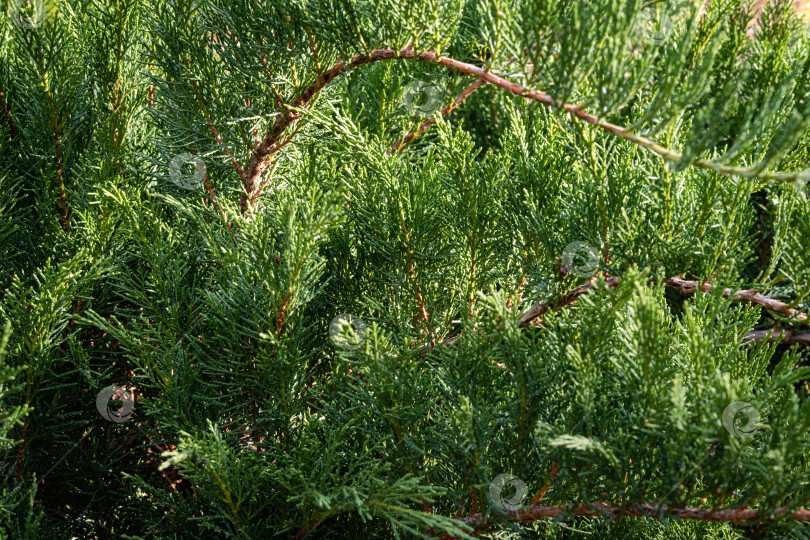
{"type": "Point", "coordinates": [216, 201]}
{"type": "Point", "coordinates": [678, 283]}
{"type": "Point", "coordinates": [748, 295]}
{"type": "Point", "coordinates": [423, 314]}
{"type": "Point", "coordinates": [541, 308]}
{"type": "Point", "coordinates": [269, 176]}
{"type": "Point", "coordinates": [264, 184]}
{"type": "Point", "coordinates": [736, 515]}
{"type": "Point", "coordinates": [63, 206]}
{"type": "Point", "coordinates": [546, 486]}
{"type": "Point", "coordinates": [225, 148]}
{"type": "Point", "coordinates": [789, 338]}
{"type": "Point", "coordinates": [281, 314]}
{"type": "Point", "coordinates": [399, 145]}
{"type": "Point", "coordinates": [265, 148]}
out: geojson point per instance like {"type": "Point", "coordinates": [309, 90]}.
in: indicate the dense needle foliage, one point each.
{"type": "Point", "coordinates": [193, 191]}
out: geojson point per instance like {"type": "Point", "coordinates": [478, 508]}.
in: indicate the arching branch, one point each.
{"type": "Point", "coordinates": [267, 147]}
{"type": "Point", "coordinates": [684, 285]}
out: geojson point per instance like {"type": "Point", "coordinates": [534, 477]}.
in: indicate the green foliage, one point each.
{"type": "Point", "coordinates": [250, 419]}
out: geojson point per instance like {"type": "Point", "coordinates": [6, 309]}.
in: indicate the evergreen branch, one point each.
{"type": "Point", "coordinates": [569, 298]}
{"type": "Point", "coordinates": [214, 199]}
{"type": "Point", "coordinates": [399, 145]}
{"type": "Point", "coordinates": [264, 184]}
{"type": "Point", "coordinates": [545, 99]}
{"type": "Point", "coordinates": [211, 125]}
{"type": "Point", "coordinates": [9, 120]}
{"type": "Point", "coordinates": [736, 515]}
{"type": "Point", "coordinates": [409, 257]}
{"type": "Point", "coordinates": [267, 148]}
{"type": "Point", "coordinates": [43, 74]}
{"type": "Point", "coordinates": [224, 148]}
{"type": "Point", "coordinates": [683, 285]}
{"type": "Point", "coordinates": [63, 206]}
{"type": "Point", "coordinates": [748, 295]}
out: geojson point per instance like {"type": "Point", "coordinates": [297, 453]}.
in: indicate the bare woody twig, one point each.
{"type": "Point", "coordinates": [790, 337]}
{"type": "Point", "coordinates": [216, 201]}
{"type": "Point", "coordinates": [534, 513]}
{"type": "Point", "coordinates": [683, 285]}
{"type": "Point", "coordinates": [539, 497]}
{"type": "Point", "coordinates": [748, 295]}
{"type": "Point", "coordinates": [541, 308]}
{"type": "Point", "coordinates": [267, 148]}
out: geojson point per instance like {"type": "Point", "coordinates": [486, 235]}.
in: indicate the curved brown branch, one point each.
{"type": "Point", "coordinates": [790, 337]}
{"type": "Point", "coordinates": [542, 493]}
{"type": "Point", "coordinates": [569, 298]}
{"type": "Point", "coordinates": [402, 143]}
{"type": "Point", "coordinates": [264, 185]}
{"type": "Point", "coordinates": [748, 295]}
{"type": "Point", "coordinates": [678, 283]}
{"type": "Point", "coordinates": [534, 513]}
{"type": "Point", "coordinates": [214, 200]}
{"type": "Point", "coordinates": [267, 146]}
